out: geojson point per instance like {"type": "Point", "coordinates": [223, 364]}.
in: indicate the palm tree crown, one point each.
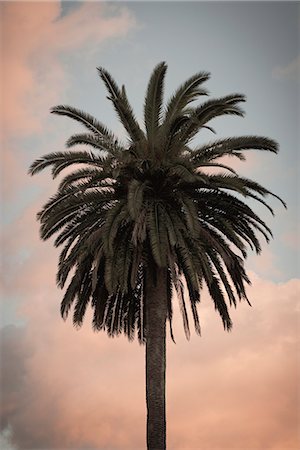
{"type": "Point", "coordinates": [148, 204]}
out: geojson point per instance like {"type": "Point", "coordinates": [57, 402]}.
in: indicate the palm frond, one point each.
{"type": "Point", "coordinates": [135, 197]}
{"type": "Point", "coordinates": [122, 106]}
{"type": "Point", "coordinates": [199, 116]}
{"type": "Point", "coordinates": [180, 294]}
{"type": "Point", "coordinates": [94, 178]}
{"type": "Point", "coordinates": [169, 287]}
{"type": "Point", "coordinates": [106, 144]}
{"type": "Point", "coordinates": [157, 233]}
{"type": "Point", "coordinates": [230, 146]}
{"type": "Point", "coordinates": [62, 160]}
{"type": "Point", "coordinates": [153, 103]}
{"type": "Point", "coordinates": [219, 302]}
{"type": "Point", "coordinates": [115, 216]}
{"type": "Point", "coordinates": [185, 94]}
{"type": "Point", "coordinates": [90, 122]}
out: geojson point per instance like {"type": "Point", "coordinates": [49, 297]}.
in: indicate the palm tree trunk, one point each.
{"type": "Point", "coordinates": [156, 314]}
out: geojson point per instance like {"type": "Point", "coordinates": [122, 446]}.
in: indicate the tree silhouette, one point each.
{"type": "Point", "coordinates": [141, 220]}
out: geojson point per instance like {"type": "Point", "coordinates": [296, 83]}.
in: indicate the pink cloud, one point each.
{"type": "Point", "coordinates": [34, 37]}
{"type": "Point", "coordinates": [266, 264]}
{"type": "Point", "coordinates": [86, 390]}
{"type": "Point", "coordinates": [239, 390]}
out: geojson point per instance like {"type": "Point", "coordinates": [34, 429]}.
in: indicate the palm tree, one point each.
{"type": "Point", "coordinates": [141, 220]}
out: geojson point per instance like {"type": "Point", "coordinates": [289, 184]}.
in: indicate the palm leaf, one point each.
{"type": "Point", "coordinates": [153, 102]}
{"type": "Point", "coordinates": [62, 160]}
{"type": "Point", "coordinates": [182, 306]}
{"type": "Point", "coordinates": [122, 106]}
{"type": "Point", "coordinates": [199, 116]}
{"type": "Point", "coordinates": [85, 119]}
{"type": "Point", "coordinates": [230, 146]}
{"type": "Point", "coordinates": [103, 143]}
{"type": "Point", "coordinates": [186, 93]}
{"type": "Point", "coordinates": [135, 197]}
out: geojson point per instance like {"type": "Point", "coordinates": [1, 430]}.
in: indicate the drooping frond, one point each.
{"type": "Point", "coordinates": [182, 306]}
{"type": "Point", "coordinates": [157, 233]}
{"type": "Point", "coordinates": [135, 197]}
{"type": "Point", "coordinates": [169, 302]}
{"type": "Point", "coordinates": [114, 218]}
{"type": "Point", "coordinates": [219, 301]}
{"type": "Point", "coordinates": [62, 160]}
{"type": "Point", "coordinates": [242, 185]}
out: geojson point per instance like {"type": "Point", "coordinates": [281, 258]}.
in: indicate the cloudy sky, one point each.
{"type": "Point", "coordinates": [62, 388]}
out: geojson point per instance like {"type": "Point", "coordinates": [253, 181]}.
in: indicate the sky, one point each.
{"type": "Point", "coordinates": [63, 388]}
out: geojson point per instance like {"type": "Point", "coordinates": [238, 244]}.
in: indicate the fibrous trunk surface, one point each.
{"type": "Point", "coordinates": [156, 313]}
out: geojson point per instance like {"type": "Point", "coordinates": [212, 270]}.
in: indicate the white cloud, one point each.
{"type": "Point", "coordinates": [5, 439]}
{"type": "Point", "coordinates": [291, 71]}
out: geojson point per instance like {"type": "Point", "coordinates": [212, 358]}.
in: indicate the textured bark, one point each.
{"type": "Point", "coordinates": [156, 313]}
